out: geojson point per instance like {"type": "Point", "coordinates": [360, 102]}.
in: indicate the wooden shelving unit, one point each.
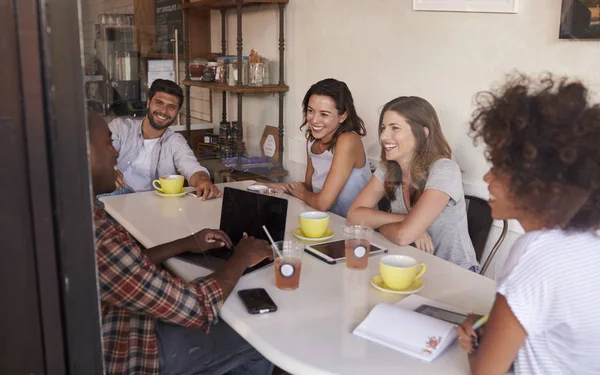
{"type": "Point", "coordinates": [218, 4]}
{"type": "Point", "coordinates": [280, 88]}
{"type": "Point", "coordinates": [244, 89]}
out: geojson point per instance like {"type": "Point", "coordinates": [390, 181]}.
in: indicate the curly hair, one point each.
{"type": "Point", "coordinates": [341, 95]}
{"type": "Point", "coordinates": [419, 114]}
{"type": "Point", "coordinates": [544, 134]}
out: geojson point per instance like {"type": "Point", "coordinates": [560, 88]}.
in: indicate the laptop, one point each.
{"type": "Point", "coordinates": [244, 211]}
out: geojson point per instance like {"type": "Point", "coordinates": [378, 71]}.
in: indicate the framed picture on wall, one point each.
{"type": "Point", "coordinates": [580, 19]}
{"type": "Point", "coordinates": [484, 6]}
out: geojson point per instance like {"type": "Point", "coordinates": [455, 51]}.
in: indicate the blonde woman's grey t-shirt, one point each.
{"type": "Point", "coordinates": [449, 232]}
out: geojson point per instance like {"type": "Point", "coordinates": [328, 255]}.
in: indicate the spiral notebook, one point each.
{"type": "Point", "coordinates": [400, 328]}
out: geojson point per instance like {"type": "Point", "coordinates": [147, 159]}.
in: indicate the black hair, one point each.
{"type": "Point", "coordinates": [341, 95]}
{"type": "Point", "coordinates": [168, 87]}
{"type": "Point", "coordinates": [543, 133]}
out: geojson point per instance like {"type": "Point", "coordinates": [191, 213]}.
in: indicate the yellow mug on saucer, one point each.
{"type": "Point", "coordinates": [170, 184]}
{"type": "Point", "coordinates": [400, 271]}
{"type": "Point", "coordinates": [314, 224]}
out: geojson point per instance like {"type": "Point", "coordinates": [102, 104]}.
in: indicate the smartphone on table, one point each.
{"type": "Point", "coordinates": [445, 315]}
{"type": "Point", "coordinates": [257, 301]}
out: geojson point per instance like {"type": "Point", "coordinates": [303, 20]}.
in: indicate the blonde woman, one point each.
{"type": "Point", "coordinates": [422, 183]}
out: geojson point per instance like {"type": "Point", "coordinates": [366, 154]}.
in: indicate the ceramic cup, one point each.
{"type": "Point", "coordinates": [399, 271]}
{"type": "Point", "coordinates": [170, 184]}
{"type": "Point", "coordinates": [314, 224]}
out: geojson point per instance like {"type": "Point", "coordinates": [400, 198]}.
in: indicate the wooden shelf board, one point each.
{"type": "Point", "coordinates": [207, 144]}
{"type": "Point", "coordinates": [243, 89]}
{"type": "Point", "coordinates": [156, 55]}
{"type": "Point", "coordinates": [216, 4]}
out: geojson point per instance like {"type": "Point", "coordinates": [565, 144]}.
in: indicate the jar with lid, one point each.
{"type": "Point", "coordinates": [233, 131]}
{"type": "Point", "coordinates": [233, 73]}
{"type": "Point", "coordinates": [221, 70]}
{"type": "Point", "coordinates": [223, 133]}
{"type": "Point", "coordinates": [208, 75]}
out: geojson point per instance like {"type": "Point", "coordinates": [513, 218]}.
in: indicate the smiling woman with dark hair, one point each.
{"type": "Point", "coordinates": [337, 164]}
{"type": "Point", "coordinates": [542, 141]}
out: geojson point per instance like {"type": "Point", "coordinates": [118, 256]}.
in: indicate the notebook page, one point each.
{"type": "Point", "coordinates": [407, 331]}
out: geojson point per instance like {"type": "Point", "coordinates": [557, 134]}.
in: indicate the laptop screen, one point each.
{"type": "Point", "coordinates": [244, 211]}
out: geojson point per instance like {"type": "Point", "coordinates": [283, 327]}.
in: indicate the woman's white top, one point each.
{"type": "Point", "coordinates": [551, 281]}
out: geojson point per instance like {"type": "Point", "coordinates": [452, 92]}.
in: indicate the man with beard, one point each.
{"type": "Point", "coordinates": [148, 149]}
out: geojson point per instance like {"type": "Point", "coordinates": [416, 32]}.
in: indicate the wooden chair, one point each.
{"type": "Point", "coordinates": [479, 222]}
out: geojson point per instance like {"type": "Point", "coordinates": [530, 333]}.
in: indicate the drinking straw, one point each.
{"type": "Point", "coordinates": [272, 242]}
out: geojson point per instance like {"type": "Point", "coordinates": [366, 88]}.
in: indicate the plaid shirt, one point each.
{"type": "Point", "coordinates": [134, 293]}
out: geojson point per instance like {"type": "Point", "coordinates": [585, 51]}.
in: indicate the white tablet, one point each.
{"type": "Point", "coordinates": [334, 251]}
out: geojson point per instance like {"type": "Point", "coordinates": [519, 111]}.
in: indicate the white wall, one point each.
{"type": "Point", "coordinates": [383, 49]}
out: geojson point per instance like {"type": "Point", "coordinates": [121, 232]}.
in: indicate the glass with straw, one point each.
{"type": "Point", "coordinates": [287, 257]}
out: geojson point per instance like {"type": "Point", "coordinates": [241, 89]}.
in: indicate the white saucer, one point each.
{"type": "Point", "coordinates": [377, 283]}
{"type": "Point", "coordinates": [181, 194]}
{"type": "Point", "coordinates": [328, 235]}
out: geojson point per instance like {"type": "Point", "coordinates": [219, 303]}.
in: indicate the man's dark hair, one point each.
{"type": "Point", "coordinates": [168, 87]}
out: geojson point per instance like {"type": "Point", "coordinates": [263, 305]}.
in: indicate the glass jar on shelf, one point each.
{"type": "Point", "coordinates": [209, 73]}
{"type": "Point", "coordinates": [256, 74]}
{"type": "Point", "coordinates": [266, 78]}
{"type": "Point", "coordinates": [232, 72]}
{"type": "Point", "coordinates": [220, 71]}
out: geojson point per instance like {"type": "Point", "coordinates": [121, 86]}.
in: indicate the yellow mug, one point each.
{"type": "Point", "coordinates": [314, 224]}
{"type": "Point", "coordinates": [170, 184]}
{"type": "Point", "coordinates": [400, 271]}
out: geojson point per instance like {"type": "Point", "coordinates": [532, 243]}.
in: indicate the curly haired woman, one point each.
{"type": "Point", "coordinates": [542, 141]}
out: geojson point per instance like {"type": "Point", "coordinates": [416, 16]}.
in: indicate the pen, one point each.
{"type": "Point", "coordinates": [475, 340]}
{"type": "Point", "coordinates": [481, 321]}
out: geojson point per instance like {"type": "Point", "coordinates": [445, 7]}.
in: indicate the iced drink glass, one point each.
{"type": "Point", "coordinates": [288, 264]}
{"type": "Point", "coordinates": [357, 243]}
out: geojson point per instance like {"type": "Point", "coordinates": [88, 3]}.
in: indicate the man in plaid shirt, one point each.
{"type": "Point", "coordinates": [153, 322]}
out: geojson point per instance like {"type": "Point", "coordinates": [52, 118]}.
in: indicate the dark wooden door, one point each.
{"type": "Point", "coordinates": [49, 319]}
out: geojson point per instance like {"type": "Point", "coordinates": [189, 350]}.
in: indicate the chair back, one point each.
{"type": "Point", "coordinates": [384, 205]}
{"type": "Point", "coordinates": [479, 222]}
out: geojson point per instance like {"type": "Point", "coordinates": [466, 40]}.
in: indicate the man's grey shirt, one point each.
{"type": "Point", "coordinates": [171, 155]}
